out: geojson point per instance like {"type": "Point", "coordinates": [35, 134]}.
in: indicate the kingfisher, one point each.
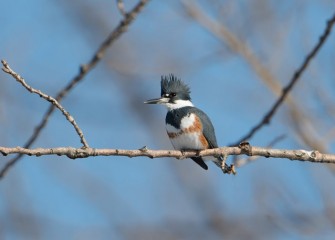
{"type": "Point", "coordinates": [188, 127]}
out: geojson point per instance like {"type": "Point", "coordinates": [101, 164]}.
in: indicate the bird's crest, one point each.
{"type": "Point", "coordinates": [172, 84]}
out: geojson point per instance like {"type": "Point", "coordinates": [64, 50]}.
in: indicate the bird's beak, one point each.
{"type": "Point", "coordinates": [157, 101]}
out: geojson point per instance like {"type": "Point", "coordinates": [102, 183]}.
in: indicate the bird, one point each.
{"type": "Point", "coordinates": [188, 127]}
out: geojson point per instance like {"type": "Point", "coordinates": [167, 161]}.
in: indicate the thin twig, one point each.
{"type": "Point", "coordinates": [219, 30]}
{"type": "Point", "coordinates": [243, 149]}
{"type": "Point", "coordinates": [84, 69]}
{"type": "Point", "coordinates": [267, 118]}
{"type": "Point", "coordinates": [7, 69]}
{"type": "Point", "coordinates": [223, 33]}
{"type": "Point", "coordinates": [120, 6]}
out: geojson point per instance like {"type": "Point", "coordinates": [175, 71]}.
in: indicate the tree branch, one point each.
{"type": "Point", "coordinates": [243, 149]}
{"type": "Point", "coordinates": [219, 30]}
{"type": "Point", "coordinates": [6, 68]}
{"type": "Point", "coordinates": [239, 162]}
{"type": "Point", "coordinates": [120, 6]}
{"type": "Point", "coordinates": [266, 119]}
{"type": "Point", "coordinates": [84, 69]}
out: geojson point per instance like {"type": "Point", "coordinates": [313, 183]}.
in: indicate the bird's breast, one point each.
{"type": "Point", "coordinates": [190, 134]}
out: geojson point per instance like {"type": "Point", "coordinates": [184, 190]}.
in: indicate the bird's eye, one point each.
{"type": "Point", "coordinates": [173, 94]}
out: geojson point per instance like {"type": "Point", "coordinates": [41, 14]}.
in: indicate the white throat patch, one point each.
{"type": "Point", "coordinates": [179, 104]}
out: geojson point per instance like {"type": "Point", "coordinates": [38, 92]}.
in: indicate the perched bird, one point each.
{"type": "Point", "coordinates": [188, 127]}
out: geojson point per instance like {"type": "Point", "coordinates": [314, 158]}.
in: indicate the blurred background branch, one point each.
{"type": "Point", "coordinates": [222, 32]}
{"type": "Point", "coordinates": [84, 69]}
{"type": "Point", "coordinates": [146, 199]}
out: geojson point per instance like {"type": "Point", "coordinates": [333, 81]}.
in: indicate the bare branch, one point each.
{"type": "Point", "coordinates": [223, 33]}
{"type": "Point", "coordinates": [267, 118]}
{"type": "Point", "coordinates": [120, 6]}
{"type": "Point", "coordinates": [84, 69]}
{"type": "Point", "coordinates": [243, 149]}
{"type": "Point", "coordinates": [6, 68]}
{"type": "Point", "coordinates": [239, 162]}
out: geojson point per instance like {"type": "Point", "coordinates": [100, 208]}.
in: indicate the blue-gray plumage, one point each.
{"type": "Point", "coordinates": [175, 116]}
{"type": "Point", "coordinates": [188, 127]}
{"type": "Point", "coordinates": [171, 84]}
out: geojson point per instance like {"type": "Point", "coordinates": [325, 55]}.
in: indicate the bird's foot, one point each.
{"type": "Point", "coordinates": [198, 152]}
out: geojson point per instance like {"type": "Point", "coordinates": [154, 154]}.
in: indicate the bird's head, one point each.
{"type": "Point", "coordinates": [174, 93]}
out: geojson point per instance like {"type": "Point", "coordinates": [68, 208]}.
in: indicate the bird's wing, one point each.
{"type": "Point", "coordinates": [208, 129]}
{"type": "Point", "coordinates": [209, 133]}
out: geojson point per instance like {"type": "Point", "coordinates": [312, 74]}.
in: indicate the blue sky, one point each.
{"type": "Point", "coordinates": [120, 198]}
